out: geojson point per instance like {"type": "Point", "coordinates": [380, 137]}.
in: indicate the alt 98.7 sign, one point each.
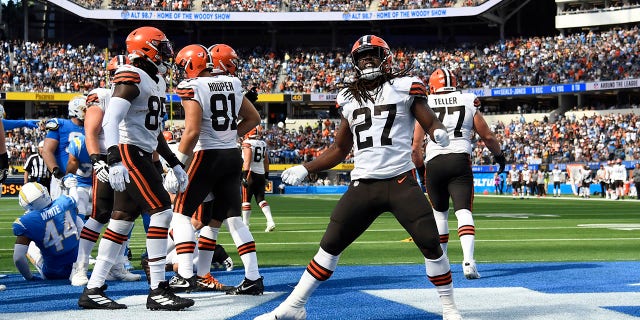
{"type": "Point", "coordinates": [11, 189]}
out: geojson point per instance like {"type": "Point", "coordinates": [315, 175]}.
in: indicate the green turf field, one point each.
{"type": "Point", "coordinates": [507, 230]}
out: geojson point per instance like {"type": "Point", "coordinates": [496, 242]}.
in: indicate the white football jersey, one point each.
{"type": "Point", "coordinates": [556, 175]}
{"type": "Point", "coordinates": [143, 122]}
{"type": "Point", "coordinates": [456, 111]}
{"type": "Point", "coordinates": [258, 152]}
{"type": "Point", "coordinates": [220, 98]}
{"type": "Point", "coordinates": [99, 97]}
{"type": "Point", "coordinates": [382, 132]}
{"type": "Point", "coordinates": [526, 175]}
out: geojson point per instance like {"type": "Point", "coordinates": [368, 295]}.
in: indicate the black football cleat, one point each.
{"type": "Point", "coordinates": [95, 298]}
{"type": "Point", "coordinates": [249, 287]}
{"type": "Point", "coordinates": [161, 298]}
{"type": "Point", "coordinates": [179, 283]}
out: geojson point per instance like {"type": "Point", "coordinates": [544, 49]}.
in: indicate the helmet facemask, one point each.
{"type": "Point", "coordinates": [379, 61]}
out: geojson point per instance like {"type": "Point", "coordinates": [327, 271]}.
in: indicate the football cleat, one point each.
{"type": "Point", "coordinates": [119, 272]}
{"type": "Point", "coordinates": [228, 264]}
{"type": "Point", "coordinates": [178, 283]}
{"type": "Point", "coordinates": [286, 313]}
{"type": "Point", "coordinates": [161, 298]}
{"type": "Point", "coordinates": [78, 275]}
{"type": "Point", "coordinates": [270, 227]}
{"type": "Point", "coordinates": [209, 283]}
{"type": "Point", "coordinates": [248, 287]}
{"type": "Point", "coordinates": [470, 270]}
{"type": "Point", "coordinates": [95, 298]}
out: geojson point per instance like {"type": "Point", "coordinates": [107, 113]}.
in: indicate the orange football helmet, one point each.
{"type": "Point", "coordinates": [168, 136]}
{"type": "Point", "coordinates": [117, 61]}
{"type": "Point", "coordinates": [193, 58]}
{"type": "Point", "coordinates": [442, 80]}
{"type": "Point", "coordinates": [252, 134]}
{"type": "Point", "coordinates": [224, 59]}
{"type": "Point", "coordinates": [151, 44]}
{"type": "Point", "coordinates": [365, 46]}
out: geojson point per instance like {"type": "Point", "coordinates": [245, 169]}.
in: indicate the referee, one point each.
{"type": "Point", "coordinates": [35, 170]}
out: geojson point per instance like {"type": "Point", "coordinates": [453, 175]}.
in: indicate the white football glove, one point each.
{"type": "Point", "coordinates": [294, 175]}
{"type": "Point", "coordinates": [182, 177]}
{"type": "Point", "coordinates": [102, 171]}
{"type": "Point", "coordinates": [170, 182]}
{"type": "Point", "coordinates": [118, 176]}
{"type": "Point", "coordinates": [69, 181]}
{"type": "Point", "coordinates": [441, 137]}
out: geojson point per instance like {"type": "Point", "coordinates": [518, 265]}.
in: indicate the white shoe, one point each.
{"type": "Point", "coordinates": [284, 313]}
{"type": "Point", "coordinates": [451, 315]}
{"type": "Point", "coordinates": [470, 270]}
{"type": "Point", "coordinates": [78, 275]}
{"type": "Point", "coordinates": [118, 272]}
{"type": "Point", "coordinates": [270, 227]}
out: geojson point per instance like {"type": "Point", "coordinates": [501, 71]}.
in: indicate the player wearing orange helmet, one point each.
{"type": "Point", "coordinates": [213, 102]}
{"type": "Point", "coordinates": [102, 193]}
{"type": "Point", "coordinates": [132, 128]}
{"type": "Point", "coordinates": [376, 109]}
{"type": "Point", "coordinates": [448, 169]}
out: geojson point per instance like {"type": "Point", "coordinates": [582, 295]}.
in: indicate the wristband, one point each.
{"type": "Point", "coordinates": [181, 157]}
{"type": "Point", "coordinates": [113, 155]}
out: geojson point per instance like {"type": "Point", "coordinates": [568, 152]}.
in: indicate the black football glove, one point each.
{"type": "Point", "coordinates": [501, 161]}
{"type": "Point", "coordinates": [252, 95]}
{"type": "Point", "coordinates": [245, 179]}
{"type": "Point", "coordinates": [57, 173]}
{"type": "Point", "coordinates": [4, 166]}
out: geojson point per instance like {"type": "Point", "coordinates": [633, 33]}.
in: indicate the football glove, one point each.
{"type": "Point", "coordinates": [102, 171]}
{"type": "Point", "coordinates": [500, 160]}
{"type": "Point", "coordinates": [441, 137]}
{"type": "Point", "coordinates": [118, 176]}
{"type": "Point", "coordinates": [170, 182]}
{"type": "Point", "coordinates": [4, 166]}
{"type": "Point", "coordinates": [52, 124]}
{"type": "Point", "coordinates": [57, 173]}
{"type": "Point", "coordinates": [182, 177]}
{"type": "Point", "coordinates": [69, 181]}
{"type": "Point", "coordinates": [252, 95]}
{"type": "Point", "coordinates": [294, 175]}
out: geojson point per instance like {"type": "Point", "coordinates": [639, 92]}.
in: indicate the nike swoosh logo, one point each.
{"type": "Point", "coordinates": [247, 288]}
{"type": "Point", "coordinates": [401, 180]}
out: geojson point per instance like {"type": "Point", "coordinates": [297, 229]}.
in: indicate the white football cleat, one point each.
{"type": "Point", "coordinates": [470, 270]}
{"type": "Point", "coordinates": [78, 275]}
{"type": "Point", "coordinates": [270, 227]}
{"type": "Point", "coordinates": [118, 272]}
{"type": "Point", "coordinates": [284, 313]}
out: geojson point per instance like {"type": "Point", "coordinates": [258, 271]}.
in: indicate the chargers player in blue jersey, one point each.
{"type": "Point", "coordinates": [52, 226]}
{"type": "Point", "coordinates": [79, 166]}
{"type": "Point", "coordinates": [59, 133]}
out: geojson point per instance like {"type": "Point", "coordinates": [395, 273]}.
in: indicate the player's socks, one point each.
{"type": "Point", "coordinates": [157, 246]}
{"type": "Point", "coordinates": [183, 235]}
{"type": "Point", "coordinates": [466, 233]}
{"type": "Point", "coordinates": [318, 270]}
{"type": "Point", "coordinates": [110, 245]}
{"type": "Point", "coordinates": [246, 247]}
{"type": "Point", "coordinates": [443, 228]}
{"type": "Point", "coordinates": [206, 247]}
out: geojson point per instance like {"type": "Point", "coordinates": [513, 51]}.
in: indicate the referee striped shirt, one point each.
{"type": "Point", "coordinates": [36, 168]}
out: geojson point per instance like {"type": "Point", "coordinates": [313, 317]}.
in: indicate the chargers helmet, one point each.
{"type": "Point", "coordinates": [194, 59]}
{"type": "Point", "coordinates": [151, 44]}
{"type": "Point", "coordinates": [34, 196]}
{"type": "Point", "coordinates": [370, 44]}
{"type": "Point", "coordinates": [442, 80]}
{"type": "Point", "coordinates": [78, 107]}
{"type": "Point", "coordinates": [224, 59]}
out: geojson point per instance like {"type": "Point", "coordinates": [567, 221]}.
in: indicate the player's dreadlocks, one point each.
{"type": "Point", "coordinates": [363, 90]}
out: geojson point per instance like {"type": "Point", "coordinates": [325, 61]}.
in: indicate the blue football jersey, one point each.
{"type": "Point", "coordinates": [53, 229]}
{"type": "Point", "coordinates": [65, 131]}
{"type": "Point", "coordinates": [78, 149]}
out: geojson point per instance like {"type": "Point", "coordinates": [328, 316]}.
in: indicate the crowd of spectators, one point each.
{"type": "Point", "coordinates": [580, 57]}
{"type": "Point", "coordinates": [241, 5]}
{"type": "Point", "coordinates": [596, 6]}
{"type": "Point", "coordinates": [155, 5]}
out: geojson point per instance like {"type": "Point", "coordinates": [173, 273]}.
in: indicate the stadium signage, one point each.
{"type": "Point", "coordinates": [274, 16]}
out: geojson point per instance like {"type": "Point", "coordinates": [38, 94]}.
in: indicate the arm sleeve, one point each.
{"type": "Point", "coordinates": [118, 108]}
{"type": "Point", "coordinates": [20, 260]}
{"type": "Point", "coordinates": [13, 124]}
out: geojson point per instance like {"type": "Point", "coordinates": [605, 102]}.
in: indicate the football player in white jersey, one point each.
{"type": "Point", "coordinates": [525, 189]}
{"type": "Point", "coordinates": [448, 168]}
{"type": "Point", "coordinates": [213, 102]}
{"type": "Point", "coordinates": [557, 176]}
{"type": "Point", "coordinates": [102, 193]}
{"type": "Point", "coordinates": [378, 112]}
{"type": "Point", "coordinates": [255, 172]}
{"type": "Point", "coordinates": [132, 128]}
